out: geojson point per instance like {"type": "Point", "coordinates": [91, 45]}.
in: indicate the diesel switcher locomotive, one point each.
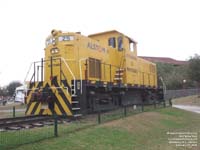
{"type": "Point", "coordinates": [82, 74]}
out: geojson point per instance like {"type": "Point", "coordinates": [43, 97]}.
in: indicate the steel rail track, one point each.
{"type": "Point", "coordinates": [8, 122]}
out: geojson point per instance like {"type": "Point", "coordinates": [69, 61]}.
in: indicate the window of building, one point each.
{"type": "Point", "coordinates": [94, 68]}
{"type": "Point", "coordinates": [120, 43]}
{"type": "Point", "coordinates": [111, 42]}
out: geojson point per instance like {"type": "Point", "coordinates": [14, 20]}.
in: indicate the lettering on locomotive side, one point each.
{"type": "Point", "coordinates": [132, 70]}
{"type": "Point", "coordinates": [96, 47]}
{"type": "Point", "coordinates": [131, 57]}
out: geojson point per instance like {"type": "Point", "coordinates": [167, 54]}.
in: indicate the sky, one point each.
{"type": "Point", "coordinates": [162, 28]}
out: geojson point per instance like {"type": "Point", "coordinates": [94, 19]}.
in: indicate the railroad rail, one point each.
{"type": "Point", "coordinates": [25, 122]}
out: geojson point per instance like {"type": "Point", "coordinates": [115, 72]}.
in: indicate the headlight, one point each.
{"type": "Point", "coordinates": [54, 50]}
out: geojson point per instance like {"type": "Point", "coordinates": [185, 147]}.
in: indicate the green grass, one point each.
{"type": "Point", "coordinates": [144, 131]}
{"type": "Point", "coordinates": [12, 139]}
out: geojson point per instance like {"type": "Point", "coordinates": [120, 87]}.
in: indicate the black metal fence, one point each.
{"type": "Point", "coordinates": [11, 139]}
{"type": "Point", "coordinates": [171, 94]}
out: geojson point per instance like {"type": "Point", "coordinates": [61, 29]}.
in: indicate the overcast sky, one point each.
{"type": "Point", "coordinates": [163, 28]}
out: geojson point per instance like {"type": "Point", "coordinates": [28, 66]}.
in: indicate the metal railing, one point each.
{"type": "Point", "coordinates": [171, 94]}
{"type": "Point", "coordinates": [38, 69]}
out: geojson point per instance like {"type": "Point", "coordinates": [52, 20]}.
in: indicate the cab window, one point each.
{"type": "Point", "coordinates": [50, 41]}
{"type": "Point", "coordinates": [131, 46]}
{"type": "Point", "coordinates": [120, 43]}
{"type": "Point", "coordinates": [65, 38]}
{"type": "Point", "coordinates": [111, 42]}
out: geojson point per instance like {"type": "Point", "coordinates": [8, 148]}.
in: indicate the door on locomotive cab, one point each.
{"type": "Point", "coordinates": [121, 51]}
{"type": "Point", "coordinates": [70, 55]}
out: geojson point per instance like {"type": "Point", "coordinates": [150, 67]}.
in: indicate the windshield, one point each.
{"type": "Point", "coordinates": [66, 38]}
{"type": "Point", "coordinates": [50, 41]}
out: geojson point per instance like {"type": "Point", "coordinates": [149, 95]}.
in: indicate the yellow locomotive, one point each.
{"type": "Point", "coordinates": [81, 74]}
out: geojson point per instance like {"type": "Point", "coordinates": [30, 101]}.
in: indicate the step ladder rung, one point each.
{"type": "Point", "coordinates": [118, 78]}
{"type": "Point", "coordinates": [119, 74]}
{"type": "Point", "coordinates": [75, 102]}
{"type": "Point", "coordinates": [121, 69]}
{"type": "Point", "coordinates": [77, 115]}
{"type": "Point", "coordinates": [76, 108]}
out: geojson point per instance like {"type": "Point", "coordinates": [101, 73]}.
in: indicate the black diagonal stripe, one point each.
{"type": "Point", "coordinates": [56, 101]}
{"type": "Point", "coordinates": [67, 85]}
{"type": "Point", "coordinates": [63, 95]}
{"type": "Point", "coordinates": [28, 107]}
{"type": "Point", "coordinates": [52, 111]}
{"type": "Point", "coordinates": [28, 92]}
{"type": "Point", "coordinates": [35, 107]}
{"type": "Point", "coordinates": [39, 85]}
{"type": "Point", "coordinates": [41, 111]}
{"type": "Point", "coordinates": [37, 103]}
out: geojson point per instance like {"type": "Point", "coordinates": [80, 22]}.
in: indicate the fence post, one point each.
{"type": "Point", "coordinates": [142, 106]}
{"type": "Point", "coordinates": [55, 125]}
{"type": "Point", "coordinates": [124, 110]}
{"type": "Point", "coordinates": [13, 111]}
{"type": "Point", "coordinates": [164, 104]}
{"type": "Point", "coordinates": [99, 117]}
{"type": "Point", "coordinates": [170, 102]}
{"type": "Point", "coordinates": [154, 103]}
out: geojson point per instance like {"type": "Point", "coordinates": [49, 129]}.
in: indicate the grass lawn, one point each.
{"type": "Point", "coordinates": [144, 131]}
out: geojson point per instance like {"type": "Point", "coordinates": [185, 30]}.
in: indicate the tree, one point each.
{"type": "Point", "coordinates": [12, 86]}
{"type": "Point", "coordinates": [3, 91]}
{"type": "Point", "coordinates": [194, 68]}
{"type": "Point", "coordinates": [173, 76]}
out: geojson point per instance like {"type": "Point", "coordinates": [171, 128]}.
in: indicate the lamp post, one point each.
{"type": "Point", "coordinates": [184, 87]}
{"type": "Point", "coordinates": [184, 83]}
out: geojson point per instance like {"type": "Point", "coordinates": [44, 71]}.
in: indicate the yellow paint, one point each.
{"type": "Point", "coordinates": [31, 92]}
{"type": "Point", "coordinates": [48, 112]}
{"type": "Point", "coordinates": [67, 94]}
{"type": "Point", "coordinates": [65, 107]}
{"type": "Point", "coordinates": [57, 110]}
{"type": "Point", "coordinates": [31, 108]}
{"type": "Point", "coordinates": [45, 112]}
{"type": "Point", "coordinates": [136, 70]}
{"type": "Point", "coordinates": [38, 109]}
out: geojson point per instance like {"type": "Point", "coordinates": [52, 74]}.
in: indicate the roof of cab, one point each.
{"type": "Point", "coordinates": [111, 31]}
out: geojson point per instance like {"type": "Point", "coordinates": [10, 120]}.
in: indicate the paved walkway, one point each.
{"type": "Point", "coordinates": [195, 109]}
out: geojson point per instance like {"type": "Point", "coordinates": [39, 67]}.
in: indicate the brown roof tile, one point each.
{"type": "Point", "coordinates": [164, 60]}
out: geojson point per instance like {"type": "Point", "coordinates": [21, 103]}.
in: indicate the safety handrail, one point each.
{"type": "Point", "coordinates": [74, 79]}
{"type": "Point", "coordinates": [81, 77]}
{"type": "Point", "coordinates": [28, 72]}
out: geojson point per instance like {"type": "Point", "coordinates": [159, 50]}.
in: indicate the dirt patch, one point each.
{"type": "Point", "coordinates": [189, 100]}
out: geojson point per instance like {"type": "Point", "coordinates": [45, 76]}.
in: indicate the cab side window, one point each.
{"type": "Point", "coordinates": [111, 42]}
{"type": "Point", "coordinates": [120, 43]}
{"type": "Point", "coordinates": [131, 46]}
